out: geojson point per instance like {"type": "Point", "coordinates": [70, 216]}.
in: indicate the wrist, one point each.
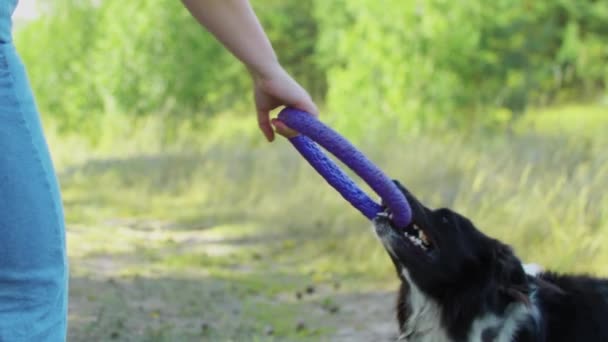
{"type": "Point", "coordinates": [264, 71]}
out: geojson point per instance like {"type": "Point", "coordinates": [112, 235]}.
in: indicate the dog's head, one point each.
{"type": "Point", "coordinates": [445, 255]}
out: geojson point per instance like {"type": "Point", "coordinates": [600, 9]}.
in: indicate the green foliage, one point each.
{"type": "Point", "coordinates": [147, 57]}
{"type": "Point", "coordinates": [429, 60]}
{"type": "Point", "coordinates": [135, 57]}
{"type": "Point", "coordinates": [423, 63]}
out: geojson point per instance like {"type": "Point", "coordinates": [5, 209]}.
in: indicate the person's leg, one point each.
{"type": "Point", "coordinates": [33, 263]}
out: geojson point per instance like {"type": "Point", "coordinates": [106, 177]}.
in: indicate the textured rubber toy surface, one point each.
{"type": "Point", "coordinates": [312, 130]}
{"type": "Point", "coordinates": [335, 176]}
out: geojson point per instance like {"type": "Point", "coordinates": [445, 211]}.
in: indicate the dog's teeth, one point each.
{"type": "Point", "coordinates": [422, 236]}
{"type": "Point", "coordinates": [420, 239]}
{"type": "Point", "coordinates": [416, 227]}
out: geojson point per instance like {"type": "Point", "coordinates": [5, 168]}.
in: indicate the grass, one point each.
{"type": "Point", "coordinates": [216, 239]}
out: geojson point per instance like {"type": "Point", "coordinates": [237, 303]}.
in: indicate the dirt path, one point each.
{"type": "Point", "coordinates": [134, 284]}
{"type": "Point", "coordinates": [366, 317]}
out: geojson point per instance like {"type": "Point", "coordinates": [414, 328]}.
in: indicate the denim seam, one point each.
{"type": "Point", "coordinates": [36, 152]}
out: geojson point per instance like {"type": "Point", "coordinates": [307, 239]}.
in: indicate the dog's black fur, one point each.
{"type": "Point", "coordinates": [469, 277]}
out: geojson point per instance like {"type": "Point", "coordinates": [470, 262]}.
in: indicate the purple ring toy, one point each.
{"type": "Point", "coordinates": [312, 130]}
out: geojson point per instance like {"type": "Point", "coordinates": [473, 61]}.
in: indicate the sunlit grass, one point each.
{"type": "Point", "coordinates": [536, 192]}
{"type": "Point", "coordinates": [571, 120]}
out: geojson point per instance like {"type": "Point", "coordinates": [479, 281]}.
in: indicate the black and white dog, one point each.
{"type": "Point", "coordinates": [461, 285]}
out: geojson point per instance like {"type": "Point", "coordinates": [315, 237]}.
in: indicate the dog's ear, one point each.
{"type": "Point", "coordinates": [510, 275]}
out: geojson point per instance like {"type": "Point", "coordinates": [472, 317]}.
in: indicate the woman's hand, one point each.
{"type": "Point", "coordinates": [275, 88]}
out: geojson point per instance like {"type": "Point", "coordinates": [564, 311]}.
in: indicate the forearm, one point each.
{"type": "Point", "coordinates": [236, 26]}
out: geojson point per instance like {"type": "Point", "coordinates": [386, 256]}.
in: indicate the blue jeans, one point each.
{"type": "Point", "coordinates": [33, 263]}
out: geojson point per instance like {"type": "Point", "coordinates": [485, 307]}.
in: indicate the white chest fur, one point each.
{"type": "Point", "coordinates": [424, 323]}
{"type": "Point", "coordinates": [507, 325]}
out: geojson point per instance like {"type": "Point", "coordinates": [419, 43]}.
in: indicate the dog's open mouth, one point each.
{"type": "Point", "coordinates": [418, 237]}
{"type": "Point", "coordinates": [412, 233]}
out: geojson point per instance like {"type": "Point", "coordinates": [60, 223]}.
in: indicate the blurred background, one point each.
{"type": "Point", "coordinates": [185, 225]}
